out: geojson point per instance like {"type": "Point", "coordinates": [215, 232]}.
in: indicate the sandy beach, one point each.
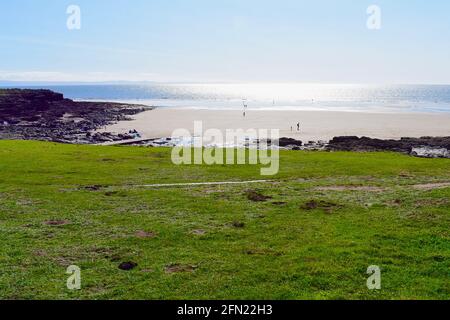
{"type": "Point", "coordinates": [315, 125]}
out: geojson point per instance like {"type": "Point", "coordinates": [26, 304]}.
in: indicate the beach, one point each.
{"type": "Point", "coordinates": [314, 125]}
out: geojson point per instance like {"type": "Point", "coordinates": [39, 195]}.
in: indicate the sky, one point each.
{"type": "Point", "coordinates": [325, 41]}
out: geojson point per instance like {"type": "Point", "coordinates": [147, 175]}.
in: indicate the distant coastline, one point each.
{"type": "Point", "coordinates": [264, 96]}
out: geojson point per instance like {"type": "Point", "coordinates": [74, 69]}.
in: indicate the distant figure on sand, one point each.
{"type": "Point", "coordinates": [298, 126]}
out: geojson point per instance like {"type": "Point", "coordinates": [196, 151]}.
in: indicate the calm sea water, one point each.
{"type": "Point", "coordinates": [363, 98]}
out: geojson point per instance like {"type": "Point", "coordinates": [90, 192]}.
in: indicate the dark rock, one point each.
{"type": "Point", "coordinates": [48, 116]}
{"type": "Point", "coordinates": [405, 145]}
{"type": "Point", "coordinates": [126, 266]}
{"type": "Point", "coordinates": [284, 142]}
{"type": "Point", "coordinates": [430, 152]}
{"type": "Point", "coordinates": [281, 142]}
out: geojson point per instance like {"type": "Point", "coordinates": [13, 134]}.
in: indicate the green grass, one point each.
{"type": "Point", "coordinates": [281, 252]}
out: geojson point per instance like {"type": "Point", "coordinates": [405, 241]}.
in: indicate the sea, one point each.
{"type": "Point", "coordinates": [267, 96]}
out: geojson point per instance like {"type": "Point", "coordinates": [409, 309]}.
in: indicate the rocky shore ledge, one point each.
{"type": "Point", "coordinates": [48, 116]}
{"type": "Point", "coordinates": [426, 147]}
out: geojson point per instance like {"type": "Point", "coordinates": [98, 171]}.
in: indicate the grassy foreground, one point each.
{"type": "Point", "coordinates": [330, 216]}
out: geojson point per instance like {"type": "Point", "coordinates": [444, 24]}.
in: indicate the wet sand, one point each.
{"type": "Point", "coordinates": [315, 125]}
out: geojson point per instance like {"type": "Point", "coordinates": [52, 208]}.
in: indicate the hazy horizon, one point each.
{"type": "Point", "coordinates": [23, 83]}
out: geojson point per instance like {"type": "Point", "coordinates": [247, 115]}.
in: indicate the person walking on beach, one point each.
{"type": "Point", "coordinates": [298, 126]}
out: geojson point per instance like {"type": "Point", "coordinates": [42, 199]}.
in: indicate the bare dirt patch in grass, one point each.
{"type": "Point", "coordinates": [237, 224]}
{"type": "Point", "coordinates": [116, 194]}
{"type": "Point", "coordinates": [395, 202]}
{"type": "Point", "coordinates": [431, 202]}
{"type": "Point", "coordinates": [177, 268]}
{"type": "Point", "coordinates": [256, 196]}
{"type": "Point", "coordinates": [431, 186]}
{"type": "Point", "coordinates": [257, 251]}
{"type": "Point", "coordinates": [328, 207]}
{"type": "Point", "coordinates": [279, 203]}
{"type": "Point", "coordinates": [25, 202]}
{"type": "Point", "coordinates": [56, 222]}
{"type": "Point", "coordinates": [73, 255]}
{"type": "Point", "coordinates": [198, 232]}
{"type": "Point", "coordinates": [145, 235]}
{"type": "Point", "coordinates": [40, 253]}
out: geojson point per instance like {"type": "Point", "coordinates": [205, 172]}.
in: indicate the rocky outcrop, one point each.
{"type": "Point", "coordinates": [285, 142]}
{"type": "Point", "coordinates": [47, 115]}
{"type": "Point", "coordinates": [430, 152]}
{"type": "Point", "coordinates": [431, 147]}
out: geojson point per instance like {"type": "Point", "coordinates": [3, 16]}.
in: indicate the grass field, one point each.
{"type": "Point", "coordinates": [330, 216]}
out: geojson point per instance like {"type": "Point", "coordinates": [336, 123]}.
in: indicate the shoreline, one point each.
{"type": "Point", "coordinates": [48, 116]}
{"type": "Point", "coordinates": [278, 108]}
{"type": "Point", "coordinates": [315, 125]}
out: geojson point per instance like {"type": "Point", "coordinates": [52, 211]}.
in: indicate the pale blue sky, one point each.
{"type": "Point", "coordinates": [226, 40]}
